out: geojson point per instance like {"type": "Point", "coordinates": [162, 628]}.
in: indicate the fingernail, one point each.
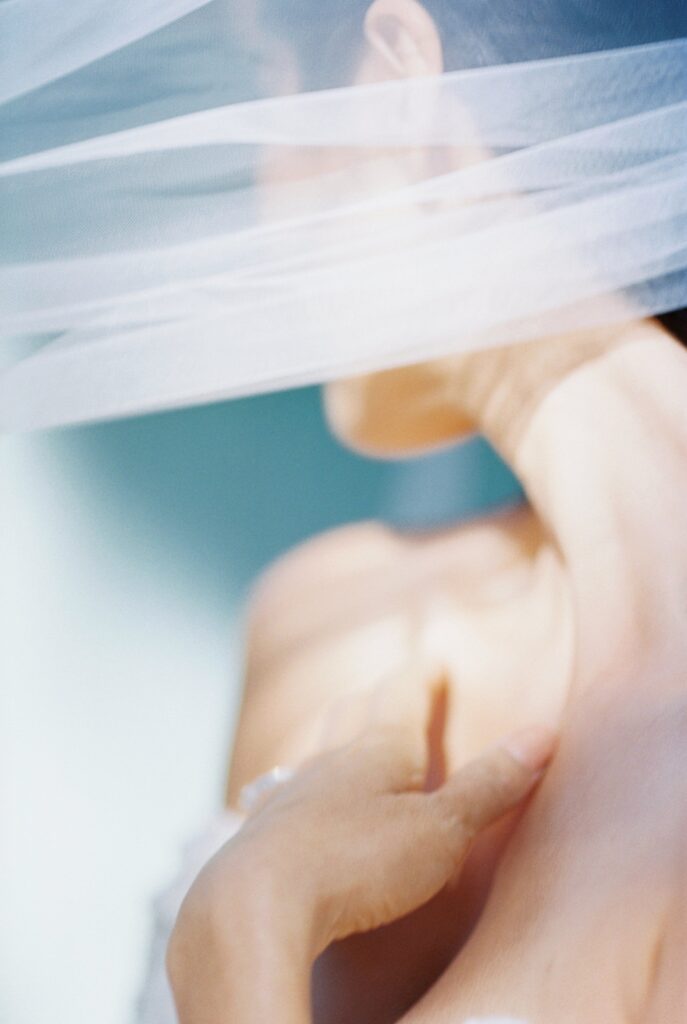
{"type": "Point", "coordinates": [532, 746]}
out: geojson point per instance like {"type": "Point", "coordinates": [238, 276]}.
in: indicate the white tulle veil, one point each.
{"type": "Point", "coordinates": [178, 230]}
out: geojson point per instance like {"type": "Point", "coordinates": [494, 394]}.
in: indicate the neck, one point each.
{"type": "Point", "coordinates": [604, 457]}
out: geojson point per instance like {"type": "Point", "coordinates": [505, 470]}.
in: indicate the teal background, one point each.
{"type": "Point", "coordinates": [231, 486]}
{"type": "Point", "coordinates": [126, 552]}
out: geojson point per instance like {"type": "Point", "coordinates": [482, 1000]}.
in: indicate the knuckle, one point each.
{"type": "Point", "coordinates": [486, 789]}
{"type": "Point", "coordinates": [454, 814]}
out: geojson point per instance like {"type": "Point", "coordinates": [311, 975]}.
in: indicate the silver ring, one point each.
{"type": "Point", "coordinates": [255, 793]}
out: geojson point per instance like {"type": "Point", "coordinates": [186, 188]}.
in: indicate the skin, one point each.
{"type": "Point", "coordinates": [568, 612]}
{"type": "Point", "coordinates": [294, 874]}
{"type": "Point", "coordinates": [581, 597]}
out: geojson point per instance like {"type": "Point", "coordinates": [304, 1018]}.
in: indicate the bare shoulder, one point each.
{"type": "Point", "coordinates": [346, 562]}
{"type": "Point", "coordinates": [344, 609]}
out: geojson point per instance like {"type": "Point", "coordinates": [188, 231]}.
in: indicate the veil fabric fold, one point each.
{"type": "Point", "coordinates": [173, 237]}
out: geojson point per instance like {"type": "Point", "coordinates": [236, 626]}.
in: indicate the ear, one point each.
{"type": "Point", "coordinates": [404, 37]}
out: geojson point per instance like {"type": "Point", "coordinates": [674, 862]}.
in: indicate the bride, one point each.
{"type": "Point", "coordinates": [575, 623]}
{"type": "Point", "coordinates": [568, 614]}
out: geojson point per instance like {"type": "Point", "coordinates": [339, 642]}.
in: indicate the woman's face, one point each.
{"type": "Point", "coordinates": [398, 410]}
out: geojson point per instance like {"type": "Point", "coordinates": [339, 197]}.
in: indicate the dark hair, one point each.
{"type": "Point", "coordinates": [676, 323]}
{"type": "Point", "coordinates": [476, 33]}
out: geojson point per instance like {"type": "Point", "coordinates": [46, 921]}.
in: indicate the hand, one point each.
{"type": "Point", "coordinates": [350, 844]}
{"type": "Point", "coordinates": [596, 427]}
{"type": "Point", "coordinates": [554, 613]}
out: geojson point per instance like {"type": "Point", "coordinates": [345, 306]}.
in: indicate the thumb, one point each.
{"type": "Point", "coordinates": [494, 783]}
{"type": "Point", "coordinates": [420, 839]}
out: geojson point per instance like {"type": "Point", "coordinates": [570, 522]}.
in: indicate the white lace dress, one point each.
{"type": "Point", "coordinates": [156, 1005]}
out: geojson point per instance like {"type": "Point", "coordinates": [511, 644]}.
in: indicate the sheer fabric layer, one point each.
{"type": "Point", "coordinates": [164, 246]}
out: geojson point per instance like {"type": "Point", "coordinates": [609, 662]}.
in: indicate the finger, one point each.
{"type": "Point", "coordinates": [387, 724]}
{"type": "Point", "coordinates": [495, 783]}
{"type": "Point", "coordinates": [402, 715]}
{"type": "Point", "coordinates": [416, 706]}
{"type": "Point", "coordinates": [401, 702]}
{"type": "Point", "coordinates": [419, 840]}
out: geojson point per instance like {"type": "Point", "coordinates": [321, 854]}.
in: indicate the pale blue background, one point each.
{"type": "Point", "coordinates": [125, 553]}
